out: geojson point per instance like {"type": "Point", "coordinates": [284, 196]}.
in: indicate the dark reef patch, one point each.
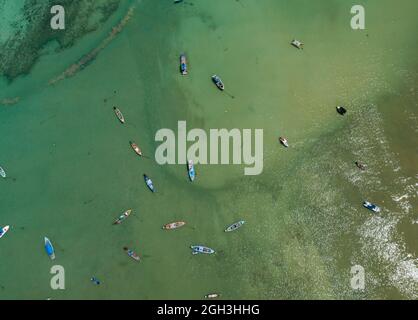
{"type": "Point", "coordinates": [20, 52]}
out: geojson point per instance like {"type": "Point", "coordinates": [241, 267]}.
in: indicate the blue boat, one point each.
{"type": "Point", "coordinates": [191, 171]}
{"type": "Point", "coordinates": [202, 249]}
{"type": "Point", "coordinates": [49, 248]}
{"type": "Point", "coordinates": [95, 280]}
{"type": "Point", "coordinates": [371, 206]}
{"type": "Point", "coordinates": [149, 184]}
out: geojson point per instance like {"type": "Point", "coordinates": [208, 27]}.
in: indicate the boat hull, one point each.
{"type": "Point", "coordinates": [371, 207]}
{"type": "Point", "coordinates": [137, 149]}
{"type": "Point", "coordinates": [49, 248]}
{"type": "Point", "coordinates": [341, 110]}
{"type": "Point", "coordinates": [297, 44]}
{"type": "Point", "coordinates": [119, 115]}
{"type": "Point", "coordinates": [133, 255]}
{"type": "Point", "coordinates": [284, 142]}
{"type": "Point", "coordinates": [149, 183]}
{"type": "Point", "coordinates": [235, 226]}
{"type": "Point", "coordinates": [202, 249]}
{"type": "Point", "coordinates": [218, 82]}
{"type": "Point", "coordinates": [3, 231]}
{"type": "Point", "coordinates": [183, 65]}
{"type": "Point", "coordinates": [191, 171]}
{"type": "Point", "coordinates": [122, 217]}
{"type": "Point", "coordinates": [174, 225]}
{"type": "Point", "coordinates": [2, 173]}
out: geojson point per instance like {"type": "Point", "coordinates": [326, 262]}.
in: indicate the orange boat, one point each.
{"type": "Point", "coordinates": [137, 149]}
{"type": "Point", "coordinates": [174, 225]}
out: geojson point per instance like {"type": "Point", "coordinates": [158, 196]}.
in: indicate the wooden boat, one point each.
{"type": "Point", "coordinates": [131, 253]}
{"type": "Point", "coordinates": [212, 296]}
{"type": "Point", "coordinates": [149, 183]}
{"type": "Point", "coordinates": [183, 64]}
{"type": "Point", "coordinates": [341, 110]}
{"type": "Point", "coordinates": [191, 171]}
{"type": "Point", "coordinates": [360, 165]}
{"type": "Point", "coordinates": [2, 173]}
{"type": "Point", "coordinates": [201, 249]}
{"type": "Point", "coordinates": [49, 248]}
{"type": "Point", "coordinates": [235, 226]}
{"type": "Point", "coordinates": [123, 216]}
{"type": "Point", "coordinates": [284, 142]}
{"type": "Point", "coordinates": [119, 115]}
{"type": "Point", "coordinates": [137, 149]}
{"type": "Point", "coordinates": [297, 44]}
{"type": "Point", "coordinates": [174, 225]}
{"type": "Point", "coordinates": [218, 82]}
{"type": "Point", "coordinates": [371, 206]}
{"type": "Point", "coordinates": [3, 231]}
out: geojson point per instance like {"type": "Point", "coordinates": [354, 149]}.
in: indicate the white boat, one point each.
{"type": "Point", "coordinates": [297, 44]}
{"type": "Point", "coordinates": [218, 82]}
{"type": "Point", "coordinates": [284, 142]}
{"type": "Point", "coordinates": [4, 230]}
{"type": "Point", "coordinates": [201, 249]}
{"type": "Point", "coordinates": [2, 173]}
{"type": "Point", "coordinates": [235, 226]}
{"type": "Point", "coordinates": [371, 206]}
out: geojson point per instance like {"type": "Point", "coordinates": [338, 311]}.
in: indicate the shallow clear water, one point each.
{"type": "Point", "coordinates": [71, 171]}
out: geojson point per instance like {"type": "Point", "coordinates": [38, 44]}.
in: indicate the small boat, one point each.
{"type": "Point", "coordinates": [123, 216]}
{"type": "Point", "coordinates": [218, 82]}
{"type": "Point", "coordinates": [284, 142]}
{"type": "Point", "coordinates": [119, 115]}
{"type": "Point", "coordinates": [131, 253]}
{"type": "Point", "coordinates": [49, 248]}
{"type": "Point", "coordinates": [297, 44]}
{"type": "Point", "coordinates": [360, 165]}
{"type": "Point", "coordinates": [235, 226]}
{"type": "Point", "coordinates": [174, 225]}
{"type": "Point", "coordinates": [2, 173]}
{"type": "Point", "coordinates": [137, 149]}
{"type": "Point", "coordinates": [212, 296]}
{"type": "Point", "coordinates": [371, 206]}
{"type": "Point", "coordinates": [183, 64]}
{"type": "Point", "coordinates": [191, 171]}
{"type": "Point", "coordinates": [177, 1]}
{"type": "Point", "coordinates": [3, 231]}
{"type": "Point", "coordinates": [95, 280]}
{"type": "Point", "coordinates": [341, 110]}
{"type": "Point", "coordinates": [202, 249]}
{"type": "Point", "coordinates": [148, 182]}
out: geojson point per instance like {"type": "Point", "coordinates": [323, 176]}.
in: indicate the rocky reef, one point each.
{"type": "Point", "coordinates": [23, 45]}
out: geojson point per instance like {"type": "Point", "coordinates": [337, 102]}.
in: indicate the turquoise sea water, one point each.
{"type": "Point", "coordinates": [71, 171]}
